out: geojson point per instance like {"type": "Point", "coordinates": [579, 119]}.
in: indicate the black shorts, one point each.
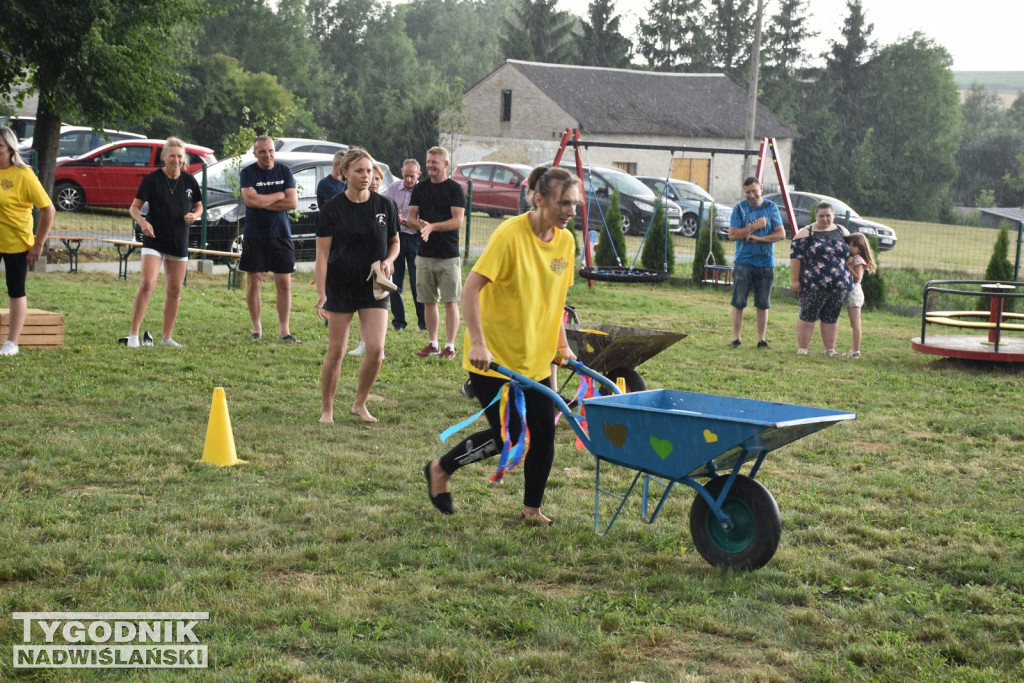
{"type": "Point", "coordinates": [340, 303]}
{"type": "Point", "coordinates": [260, 254]}
{"type": "Point", "coordinates": [17, 272]}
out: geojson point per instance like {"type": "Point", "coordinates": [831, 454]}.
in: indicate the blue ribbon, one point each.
{"type": "Point", "coordinates": [454, 429]}
{"type": "Point", "coordinates": [512, 453]}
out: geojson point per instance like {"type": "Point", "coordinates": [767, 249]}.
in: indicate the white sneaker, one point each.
{"type": "Point", "coordinates": [359, 350]}
{"type": "Point", "coordinates": [9, 348]}
{"type": "Point", "coordinates": [170, 342]}
{"type": "Point", "coordinates": [133, 341]}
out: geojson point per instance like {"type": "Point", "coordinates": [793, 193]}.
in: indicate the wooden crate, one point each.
{"type": "Point", "coordinates": [41, 329]}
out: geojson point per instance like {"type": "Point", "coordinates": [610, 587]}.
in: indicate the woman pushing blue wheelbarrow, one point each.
{"type": "Point", "coordinates": [672, 437]}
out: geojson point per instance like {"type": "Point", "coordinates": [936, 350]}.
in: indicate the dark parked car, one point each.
{"type": "Point", "coordinates": [496, 186]}
{"type": "Point", "coordinates": [636, 200]}
{"type": "Point", "coordinates": [109, 175]}
{"type": "Point", "coordinates": [689, 196]}
{"type": "Point", "coordinates": [803, 202]}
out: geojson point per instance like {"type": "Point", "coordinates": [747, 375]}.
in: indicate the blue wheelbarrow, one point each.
{"type": "Point", "coordinates": [681, 437]}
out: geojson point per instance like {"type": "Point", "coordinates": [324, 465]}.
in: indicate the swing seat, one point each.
{"type": "Point", "coordinates": [620, 274]}
{"type": "Point", "coordinates": [717, 275]}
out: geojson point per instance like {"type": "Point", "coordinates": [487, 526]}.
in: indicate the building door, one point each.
{"type": "Point", "coordinates": [694, 170]}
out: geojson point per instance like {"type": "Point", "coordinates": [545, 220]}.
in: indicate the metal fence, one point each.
{"type": "Point", "coordinates": [937, 250]}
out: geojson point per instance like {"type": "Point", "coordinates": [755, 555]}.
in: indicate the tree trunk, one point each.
{"type": "Point", "coordinates": [46, 144]}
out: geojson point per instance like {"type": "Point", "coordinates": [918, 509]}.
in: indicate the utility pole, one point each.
{"type": "Point", "coordinates": [755, 60]}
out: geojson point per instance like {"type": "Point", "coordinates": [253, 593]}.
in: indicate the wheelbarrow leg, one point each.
{"type": "Point", "coordinates": [597, 498]}
{"type": "Point", "coordinates": [661, 501]}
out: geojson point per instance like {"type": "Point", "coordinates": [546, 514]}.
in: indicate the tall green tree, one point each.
{"type": "Point", "coordinates": [274, 38]}
{"type": "Point", "coordinates": [732, 35]}
{"type": "Point", "coordinates": [828, 156]}
{"type": "Point", "coordinates": [674, 36]}
{"type": "Point", "coordinates": [218, 90]}
{"type": "Point", "coordinates": [98, 62]}
{"type": "Point", "coordinates": [602, 43]}
{"type": "Point", "coordinates": [458, 38]}
{"type": "Point", "coordinates": [992, 139]}
{"type": "Point", "coordinates": [537, 31]}
{"type": "Point", "coordinates": [784, 58]}
{"type": "Point", "coordinates": [910, 159]}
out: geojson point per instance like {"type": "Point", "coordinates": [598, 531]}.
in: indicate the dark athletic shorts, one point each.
{"type": "Point", "coordinates": [260, 254]}
{"type": "Point", "coordinates": [17, 271]}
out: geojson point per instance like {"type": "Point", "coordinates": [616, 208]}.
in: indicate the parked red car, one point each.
{"type": "Point", "coordinates": [496, 186]}
{"type": "Point", "coordinates": [110, 175]}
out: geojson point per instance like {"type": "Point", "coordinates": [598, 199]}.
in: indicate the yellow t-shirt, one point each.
{"type": "Point", "coordinates": [20, 190]}
{"type": "Point", "coordinates": [521, 308]}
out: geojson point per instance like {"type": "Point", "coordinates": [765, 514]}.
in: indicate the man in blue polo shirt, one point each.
{"type": "Point", "coordinates": [755, 226]}
{"type": "Point", "coordinates": [268, 191]}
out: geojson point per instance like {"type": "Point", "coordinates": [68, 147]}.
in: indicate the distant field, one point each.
{"type": "Point", "coordinates": [992, 80]}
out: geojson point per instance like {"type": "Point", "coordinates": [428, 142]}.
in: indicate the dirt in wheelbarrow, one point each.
{"type": "Point", "coordinates": [607, 347]}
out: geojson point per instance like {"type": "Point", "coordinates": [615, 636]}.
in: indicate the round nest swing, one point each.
{"type": "Point", "coordinates": [622, 274]}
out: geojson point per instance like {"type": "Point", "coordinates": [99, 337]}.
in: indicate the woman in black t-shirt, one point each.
{"type": "Point", "coordinates": [356, 229]}
{"type": "Point", "coordinates": [174, 204]}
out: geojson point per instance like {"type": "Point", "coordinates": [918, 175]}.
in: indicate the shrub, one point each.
{"type": "Point", "coordinates": [999, 268]}
{"type": "Point", "coordinates": [653, 256]}
{"type": "Point", "coordinates": [611, 245]}
{"type": "Point", "coordinates": [707, 241]}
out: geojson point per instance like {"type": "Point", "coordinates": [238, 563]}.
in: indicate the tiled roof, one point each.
{"type": "Point", "coordinates": [651, 103]}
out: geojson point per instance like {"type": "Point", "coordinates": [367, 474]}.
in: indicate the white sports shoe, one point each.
{"type": "Point", "coordinates": [133, 341]}
{"type": "Point", "coordinates": [169, 342]}
{"type": "Point", "coordinates": [9, 348]}
{"type": "Point", "coordinates": [359, 350]}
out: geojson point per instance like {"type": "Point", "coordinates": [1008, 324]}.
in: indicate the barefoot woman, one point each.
{"type": "Point", "coordinates": [357, 228]}
{"type": "Point", "coordinates": [512, 303]}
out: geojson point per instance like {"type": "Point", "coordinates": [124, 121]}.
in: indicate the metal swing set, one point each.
{"type": "Point", "coordinates": [631, 273]}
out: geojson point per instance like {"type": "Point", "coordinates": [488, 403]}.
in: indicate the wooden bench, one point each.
{"type": "Point", "coordinates": [125, 248]}
{"type": "Point", "coordinates": [230, 258]}
{"type": "Point", "coordinates": [73, 244]}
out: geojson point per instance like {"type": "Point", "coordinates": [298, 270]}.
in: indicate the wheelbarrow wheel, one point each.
{"type": "Point", "coordinates": [756, 531]}
{"type": "Point", "coordinates": [634, 382]}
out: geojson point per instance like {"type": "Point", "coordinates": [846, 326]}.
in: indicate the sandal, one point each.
{"type": "Point", "coordinates": [852, 354]}
{"type": "Point", "coordinates": [801, 352]}
{"type": "Point", "coordinates": [831, 353]}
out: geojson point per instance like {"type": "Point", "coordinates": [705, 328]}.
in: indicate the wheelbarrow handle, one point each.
{"type": "Point", "coordinates": [580, 368]}
{"type": "Point", "coordinates": [573, 418]}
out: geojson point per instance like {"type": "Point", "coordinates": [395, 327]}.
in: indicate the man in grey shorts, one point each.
{"type": "Point", "coordinates": [268, 191]}
{"type": "Point", "coordinates": [436, 210]}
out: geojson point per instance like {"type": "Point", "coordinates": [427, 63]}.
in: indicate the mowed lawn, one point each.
{"type": "Point", "coordinates": [322, 560]}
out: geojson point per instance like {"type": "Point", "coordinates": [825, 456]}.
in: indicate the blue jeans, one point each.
{"type": "Point", "coordinates": [747, 278]}
{"type": "Point", "coordinates": [409, 246]}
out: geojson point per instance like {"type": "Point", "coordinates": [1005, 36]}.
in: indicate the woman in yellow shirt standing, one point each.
{"type": "Point", "coordinates": [20, 190]}
{"type": "Point", "coordinates": [512, 304]}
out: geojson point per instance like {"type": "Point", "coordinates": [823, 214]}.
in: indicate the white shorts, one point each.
{"type": "Point", "coordinates": [146, 251]}
{"type": "Point", "coordinates": [855, 297]}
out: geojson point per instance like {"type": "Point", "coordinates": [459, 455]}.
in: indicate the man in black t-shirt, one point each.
{"type": "Point", "coordinates": [436, 210]}
{"type": "Point", "coordinates": [268, 191]}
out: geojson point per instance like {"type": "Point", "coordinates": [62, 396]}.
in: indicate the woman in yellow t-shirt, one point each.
{"type": "Point", "coordinates": [20, 190]}
{"type": "Point", "coordinates": [512, 304]}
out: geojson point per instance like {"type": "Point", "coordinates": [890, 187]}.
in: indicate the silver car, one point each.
{"type": "Point", "coordinates": [695, 203]}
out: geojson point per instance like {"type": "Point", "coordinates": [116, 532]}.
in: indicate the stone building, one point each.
{"type": "Point", "coordinates": [519, 112]}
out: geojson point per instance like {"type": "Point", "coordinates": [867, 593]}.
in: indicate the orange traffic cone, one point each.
{"type": "Point", "coordinates": [219, 448]}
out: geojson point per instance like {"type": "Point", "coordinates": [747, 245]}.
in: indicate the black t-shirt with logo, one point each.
{"type": "Point", "coordinates": [169, 201]}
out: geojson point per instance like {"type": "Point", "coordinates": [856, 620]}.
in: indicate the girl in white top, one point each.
{"type": "Point", "coordinates": [861, 260]}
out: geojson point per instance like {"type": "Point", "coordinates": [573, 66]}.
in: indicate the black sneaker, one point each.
{"type": "Point", "coordinates": [762, 344]}
{"type": "Point", "coordinates": [467, 390]}
{"type": "Point", "coordinates": [147, 338]}
{"type": "Point", "coordinates": [736, 343]}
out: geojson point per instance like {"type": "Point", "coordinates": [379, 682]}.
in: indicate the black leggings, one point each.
{"type": "Point", "coordinates": [540, 419]}
{"type": "Point", "coordinates": [17, 272]}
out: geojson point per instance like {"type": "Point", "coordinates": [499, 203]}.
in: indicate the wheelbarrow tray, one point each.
{"type": "Point", "coordinates": [679, 434]}
{"type": "Point", "coordinates": [609, 347]}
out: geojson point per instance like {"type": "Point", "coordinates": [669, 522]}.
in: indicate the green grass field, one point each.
{"type": "Point", "coordinates": [322, 559]}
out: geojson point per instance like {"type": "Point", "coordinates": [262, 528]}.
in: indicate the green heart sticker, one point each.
{"type": "Point", "coordinates": [661, 447]}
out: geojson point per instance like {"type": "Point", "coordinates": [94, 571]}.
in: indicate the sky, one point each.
{"type": "Point", "coordinates": [981, 35]}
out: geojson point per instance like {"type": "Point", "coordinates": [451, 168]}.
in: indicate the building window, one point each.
{"type": "Point", "coordinates": [627, 166]}
{"type": "Point", "coordinates": [506, 105]}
